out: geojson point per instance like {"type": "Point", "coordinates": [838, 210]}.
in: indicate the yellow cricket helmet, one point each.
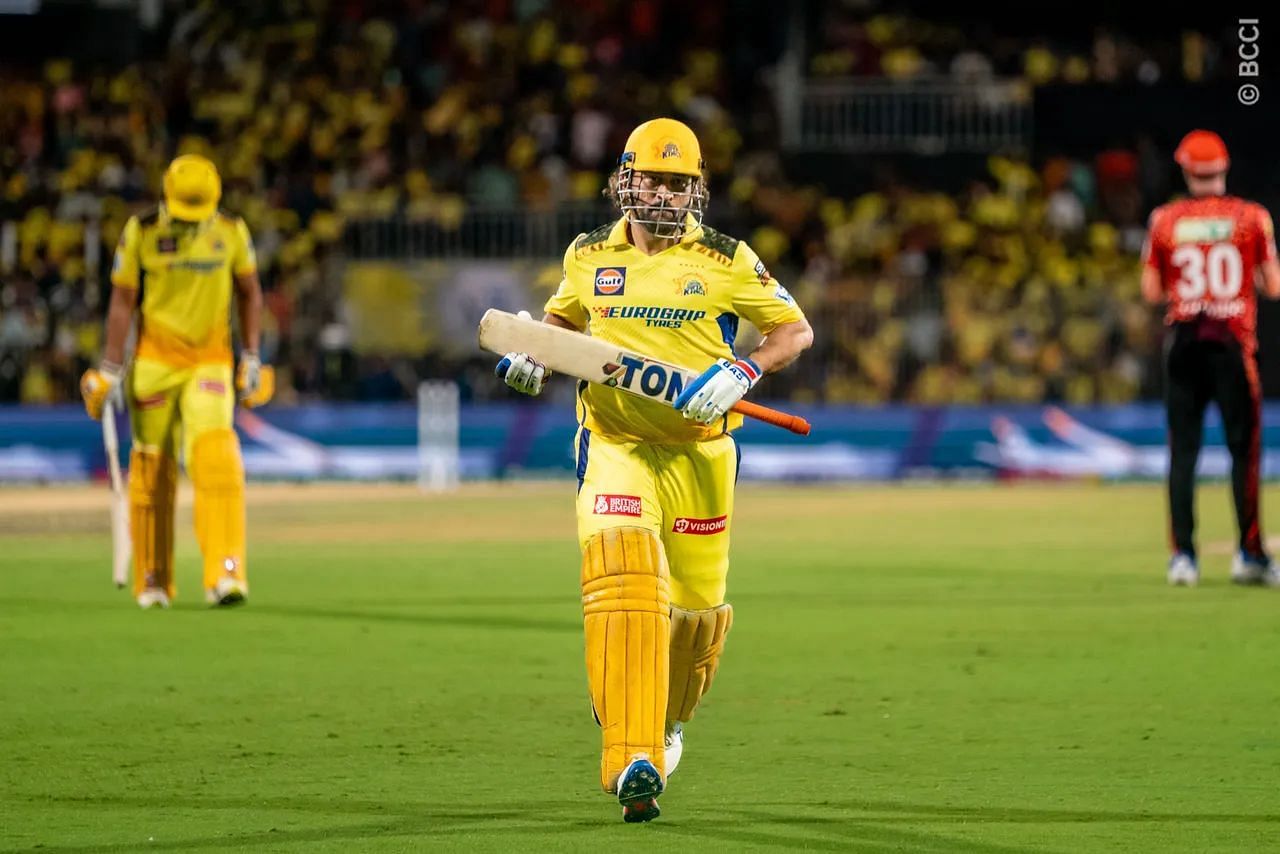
{"type": "Point", "coordinates": [192, 188]}
{"type": "Point", "coordinates": [665, 145]}
{"type": "Point", "coordinates": [661, 178]}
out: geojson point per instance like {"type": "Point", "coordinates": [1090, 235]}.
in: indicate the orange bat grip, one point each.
{"type": "Point", "coordinates": [786, 421]}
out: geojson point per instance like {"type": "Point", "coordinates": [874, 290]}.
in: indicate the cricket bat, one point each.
{"type": "Point", "coordinates": [586, 358]}
{"type": "Point", "coordinates": [121, 543]}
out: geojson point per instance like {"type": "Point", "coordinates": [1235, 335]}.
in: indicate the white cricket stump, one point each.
{"type": "Point", "coordinates": [438, 436]}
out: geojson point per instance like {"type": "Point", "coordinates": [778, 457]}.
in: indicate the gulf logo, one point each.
{"type": "Point", "coordinates": [610, 281]}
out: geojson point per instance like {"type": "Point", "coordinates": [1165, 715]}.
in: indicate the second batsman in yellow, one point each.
{"type": "Point", "coordinates": [655, 480]}
{"type": "Point", "coordinates": [178, 266]}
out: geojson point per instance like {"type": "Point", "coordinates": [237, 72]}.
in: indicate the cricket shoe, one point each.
{"type": "Point", "coordinates": [1254, 569]}
{"type": "Point", "coordinates": [674, 746]}
{"type": "Point", "coordinates": [1183, 571]}
{"type": "Point", "coordinates": [228, 591]}
{"type": "Point", "coordinates": [638, 788]}
{"type": "Point", "coordinates": [153, 597]}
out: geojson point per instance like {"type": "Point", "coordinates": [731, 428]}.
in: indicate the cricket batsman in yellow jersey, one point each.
{"type": "Point", "coordinates": [655, 482]}
{"type": "Point", "coordinates": [182, 261]}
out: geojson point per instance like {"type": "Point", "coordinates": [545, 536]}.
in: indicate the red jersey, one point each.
{"type": "Point", "coordinates": [1208, 251]}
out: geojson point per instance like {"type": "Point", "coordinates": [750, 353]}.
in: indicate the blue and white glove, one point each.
{"type": "Point", "coordinates": [717, 389]}
{"type": "Point", "coordinates": [521, 371]}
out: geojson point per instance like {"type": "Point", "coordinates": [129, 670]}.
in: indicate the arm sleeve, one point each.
{"type": "Point", "coordinates": [1152, 255]}
{"type": "Point", "coordinates": [126, 266]}
{"type": "Point", "coordinates": [759, 297]}
{"type": "Point", "coordinates": [245, 260]}
{"type": "Point", "coordinates": [566, 302]}
{"type": "Point", "coordinates": [1266, 236]}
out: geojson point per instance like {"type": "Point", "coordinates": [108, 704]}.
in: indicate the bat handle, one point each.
{"type": "Point", "coordinates": [777, 418]}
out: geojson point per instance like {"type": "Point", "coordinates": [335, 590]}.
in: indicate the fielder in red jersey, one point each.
{"type": "Point", "coordinates": [1202, 258]}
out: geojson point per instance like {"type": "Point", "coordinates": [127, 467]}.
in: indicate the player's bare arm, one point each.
{"type": "Point", "coordinates": [1152, 287]}
{"type": "Point", "coordinates": [1271, 279]}
{"type": "Point", "coordinates": [124, 301]}
{"type": "Point", "coordinates": [255, 381]}
{"type": "Point", "coordinates": [783, 345]}
{"type": "Point", "coordinates": [725, 383]}
{"type": "Point", "coordinates": [249, 306]}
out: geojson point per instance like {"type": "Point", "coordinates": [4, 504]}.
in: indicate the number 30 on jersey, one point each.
{"type": "Point", "coordinates": [1215, 270]}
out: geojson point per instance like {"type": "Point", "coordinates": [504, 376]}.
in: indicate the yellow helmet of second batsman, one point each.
{"type": "Point", "coordinates": [661, 179]}
{"type": "Point", "coordinates": [192, 188]}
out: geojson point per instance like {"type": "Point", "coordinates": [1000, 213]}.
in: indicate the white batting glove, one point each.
{"type": "Point", "coordinates": [717, 389]}
{"type": "Point", "coordinates": [521, 371]}
{"type": "Point", "coordinates": [250, 373]}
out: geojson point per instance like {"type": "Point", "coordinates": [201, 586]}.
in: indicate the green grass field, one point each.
{"type": "Point", "coordinates": [962, 669]}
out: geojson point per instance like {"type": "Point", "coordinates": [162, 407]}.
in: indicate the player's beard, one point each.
{"type": "Point", "coordinates": [663, 220]}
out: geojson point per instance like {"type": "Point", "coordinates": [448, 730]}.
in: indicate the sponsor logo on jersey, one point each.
{"type": "Point", "coordinates": [784, 295]}
{"type": "Point", "coordinates": [212, 386]}
{"type": "Point", "coordinates": [218, 245]}
{"type": "Point", "coordinates": [1203, 229]}
{"type": "Point", "coordinates": [1216, 309]}
{"type": "Point", "coordinates": [153, 402]}
{"type": "Point", "coordinates": [638, 374]}
{"type": "Point", "coordinates": [660, 316]}
{"type": "Point", "coordinates": [117, 263]}
{"type": "Point", "coordinates": [693, 287]}
{"type": "Point", "coordinates": [617, 505]}
{"type": "Point", "coordinates": [198, 266]}
{"type": "Point", "coordinates": [762, 273]}
{"type": "Point", "coordinates": [701, 527]}
{"type": "Point", "coordinates": [610, 281]}
{"type": "Point", "coordinates": [167, 245]}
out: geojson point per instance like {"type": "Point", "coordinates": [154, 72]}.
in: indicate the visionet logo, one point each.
{"type": "Point", "coordinates": [685, 525]}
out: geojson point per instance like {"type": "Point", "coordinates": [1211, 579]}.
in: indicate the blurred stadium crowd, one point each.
{"type": "Point", "coordinates": [1020, 287]}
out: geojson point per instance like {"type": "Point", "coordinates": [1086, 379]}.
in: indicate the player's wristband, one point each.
{"type": "Point", "coordinates": [746, 370]}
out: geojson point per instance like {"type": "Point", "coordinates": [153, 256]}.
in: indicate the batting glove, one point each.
{"type": "Point", "coordinates": [522, 373]}
{"type": "Point", "coordinates": [255, 381]}
{"type": "Point", "coordinates": [97, 385]}
{"type": "Point", "coordinates": [717, 389]}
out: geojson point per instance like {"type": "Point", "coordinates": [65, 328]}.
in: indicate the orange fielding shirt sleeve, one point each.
{"type": "Point", "coordinates": [127, 265]}
{"type": "Point", "coordinates": [1153, 248]}
{"type": "Point", "coordinates": [1266, 236]}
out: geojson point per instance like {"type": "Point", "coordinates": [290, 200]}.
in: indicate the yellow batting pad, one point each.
{"type": "Point", "coordinates": [626, 607]}
{"type": "Point", "coordinates": [217, 473]}
{"type": "Point", "coordinates": [697, 642]}
{"type": "Point", "coordinates": [153, 484]}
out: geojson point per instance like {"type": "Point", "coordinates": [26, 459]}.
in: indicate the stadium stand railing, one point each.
{"type": "Point", "coordinates": [917, 116]}
{"type": "Point", "coordinates": [476, 232]}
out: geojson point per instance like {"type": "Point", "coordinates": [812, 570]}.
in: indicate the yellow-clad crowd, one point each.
{"type": "Point", "coordinates": [1020, 287]}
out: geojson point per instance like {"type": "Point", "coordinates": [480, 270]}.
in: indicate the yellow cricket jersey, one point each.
{"type": "Point", "coordinates": [185, 272]}
{"type": "Point", "coordinates": [681, 306]}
